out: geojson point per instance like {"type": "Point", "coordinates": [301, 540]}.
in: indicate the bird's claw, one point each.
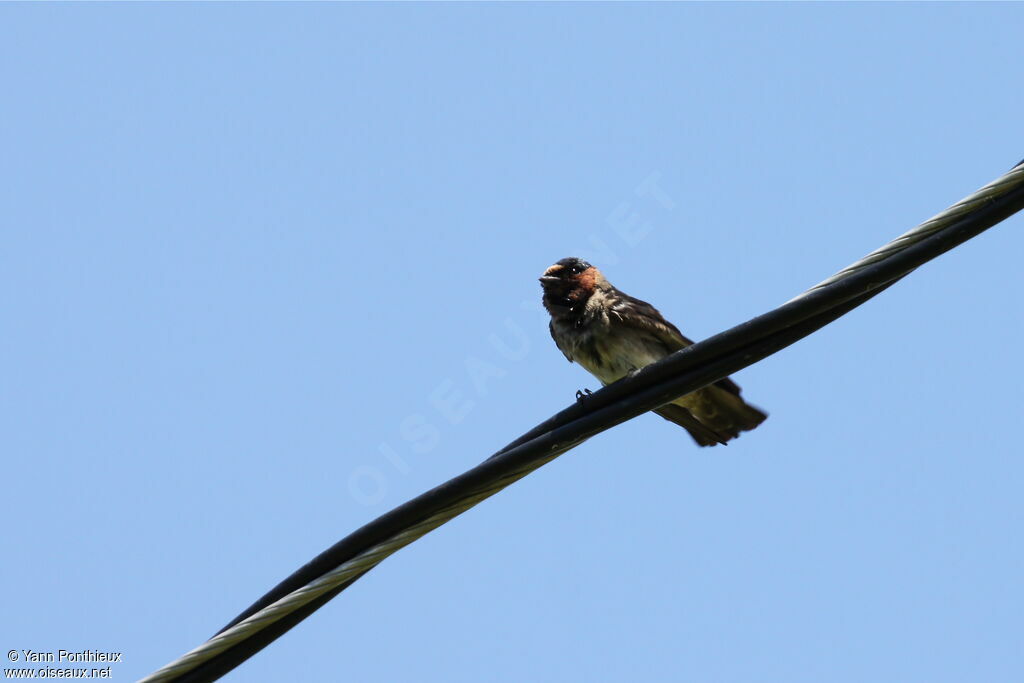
{"type": "Point", "coordinates": [583, 394]}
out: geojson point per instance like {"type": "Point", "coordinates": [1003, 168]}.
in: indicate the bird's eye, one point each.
{"type": "Point", "coordinates": [576, 270]}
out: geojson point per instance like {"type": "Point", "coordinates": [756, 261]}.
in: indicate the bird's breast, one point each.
{"type": "Point", "coordinates": [609, 352]}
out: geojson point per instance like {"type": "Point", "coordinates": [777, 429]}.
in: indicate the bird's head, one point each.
{"type": "Point", "coordinates": [568, 284]}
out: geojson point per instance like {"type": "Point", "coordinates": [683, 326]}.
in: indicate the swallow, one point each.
{"type": "Point", "coordinates": [612, 334]}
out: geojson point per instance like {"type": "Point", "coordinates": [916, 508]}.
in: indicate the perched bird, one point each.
{"type": "Point", "coordinates": [611, 334]}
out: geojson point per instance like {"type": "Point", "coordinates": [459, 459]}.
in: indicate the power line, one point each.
{"type": "Point", "coordinates": [687, 370]}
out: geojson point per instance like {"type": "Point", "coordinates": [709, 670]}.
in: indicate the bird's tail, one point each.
{"type": "Point", "coordinates": [713, 415]}
{"type": "Point", "coordinates": [704, 436]}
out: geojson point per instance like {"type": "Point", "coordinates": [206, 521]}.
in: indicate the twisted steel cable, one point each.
{"type": "Point", "coordinates": [990, 192]}
{"type": "Point", "coordinates": [680, 373]}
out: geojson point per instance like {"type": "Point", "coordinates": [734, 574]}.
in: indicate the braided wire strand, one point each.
{"type": "Point", "coordinates": [374, 555]}
{"type": "Point", "coordinates": [358, 565]}
{"type": "Point", "coordinates": [997, 188]}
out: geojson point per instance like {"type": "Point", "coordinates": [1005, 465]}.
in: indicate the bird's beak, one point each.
{"type": "Point", "coordinates": [548, 279]}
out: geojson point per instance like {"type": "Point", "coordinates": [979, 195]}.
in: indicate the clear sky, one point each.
{"type": "Point", "coordinates": [246, 247]}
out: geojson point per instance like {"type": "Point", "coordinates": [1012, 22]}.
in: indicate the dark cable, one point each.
{"type": "Point", "coordinates": [682, 372]}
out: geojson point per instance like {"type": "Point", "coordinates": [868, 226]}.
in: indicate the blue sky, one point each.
{"type": "Point", "coordinates": [246, 247]}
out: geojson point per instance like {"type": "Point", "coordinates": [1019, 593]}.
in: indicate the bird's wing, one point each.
{"type": "Point", "coordinates": [648, 319]}
{"type": "Point", "coordinates": [642, 316]}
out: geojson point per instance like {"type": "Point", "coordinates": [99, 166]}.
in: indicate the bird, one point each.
{"type": "Point", "coordinates": [612, 335]}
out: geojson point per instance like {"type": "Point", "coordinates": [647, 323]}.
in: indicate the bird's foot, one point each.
{"type": "Point", "coordinates": [582, 395]}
